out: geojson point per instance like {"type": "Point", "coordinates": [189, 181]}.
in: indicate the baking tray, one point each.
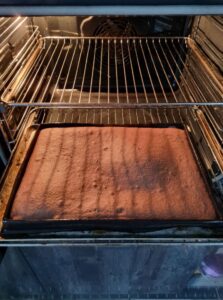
{"type": "Point", "coordinates": [15, 227]}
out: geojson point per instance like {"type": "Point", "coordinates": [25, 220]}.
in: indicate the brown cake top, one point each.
{"type": "Point", "coordinates": [112, 173]}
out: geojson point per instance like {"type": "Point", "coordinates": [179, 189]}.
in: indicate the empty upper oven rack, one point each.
{"type": "Point", "coordinates": [113, 70]}
{"type": "Point", "coordinates": [151, 75]}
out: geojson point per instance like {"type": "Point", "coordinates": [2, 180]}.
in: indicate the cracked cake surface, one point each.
{"type": "Point", "coordinates": [83, 173]}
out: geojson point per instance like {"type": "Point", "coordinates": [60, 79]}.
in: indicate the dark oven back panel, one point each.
{"type": "Point", "coordinates": [114, 26]}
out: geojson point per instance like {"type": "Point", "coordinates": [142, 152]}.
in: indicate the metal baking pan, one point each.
{"type": "Point", "coordinates": [15, 227]}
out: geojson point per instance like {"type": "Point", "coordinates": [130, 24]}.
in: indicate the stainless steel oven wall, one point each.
{"type": "Point", "coordinates": [208, 32]}
{"type": "Point", "coordinates": [57, 26]}
{"type": "Point", "coordinates": [14, 33]}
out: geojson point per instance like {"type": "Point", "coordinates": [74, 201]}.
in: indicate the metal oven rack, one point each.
{"type": "Point", "coordinates": [111, 74]}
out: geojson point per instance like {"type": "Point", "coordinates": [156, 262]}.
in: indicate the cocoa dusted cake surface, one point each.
{"type": "Point", "coordinates": [112, 173]}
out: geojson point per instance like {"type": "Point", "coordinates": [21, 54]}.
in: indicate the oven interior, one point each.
{"type": "Point", "coordinates": [160, 71]}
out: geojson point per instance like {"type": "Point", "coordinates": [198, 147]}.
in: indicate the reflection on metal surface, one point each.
{"type": "Point", "coordinates": [212, 265]}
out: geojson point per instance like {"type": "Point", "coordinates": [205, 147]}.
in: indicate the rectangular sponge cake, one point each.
{"type": "Point", "coordinates": [83, 173]}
